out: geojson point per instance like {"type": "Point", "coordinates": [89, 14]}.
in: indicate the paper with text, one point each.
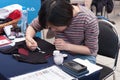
{"type": "Point", "coordinates": [50, 73]}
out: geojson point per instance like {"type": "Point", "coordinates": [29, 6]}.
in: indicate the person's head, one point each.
{"type": "Point", "coordinates": [56, 14]}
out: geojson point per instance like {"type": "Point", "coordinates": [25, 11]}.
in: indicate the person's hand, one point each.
{"type": "Point", "coordinates": [31, 43]}
{"type": "Point", "coordinates": [60, 44]}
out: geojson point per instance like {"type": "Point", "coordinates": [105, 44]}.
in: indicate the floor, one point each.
{"type": "Point", "coordinates": [114, 16]}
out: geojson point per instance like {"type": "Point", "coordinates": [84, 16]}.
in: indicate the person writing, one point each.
{"type": "Point", "coordinates": [75, 28]}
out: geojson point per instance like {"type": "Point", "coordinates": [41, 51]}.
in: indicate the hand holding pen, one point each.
{"type": "Point", "coordinates": [31, 43]}
{"type": "Point", "coordinates": [40, 50]}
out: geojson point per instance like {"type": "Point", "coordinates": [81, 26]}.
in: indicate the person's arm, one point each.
{"type": "Point", "coordinates": [30, 42]}
{"type": "Point", "coordinates": [62, 45]}
{"type": "Point", "coordinates": [30, 33]}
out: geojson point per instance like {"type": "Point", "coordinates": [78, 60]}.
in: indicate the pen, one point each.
{"type": "Point", "coordinates": [40, 50]}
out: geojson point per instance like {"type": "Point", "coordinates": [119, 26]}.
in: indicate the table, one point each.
{"type": "Point", "coordinates": [10, 67]}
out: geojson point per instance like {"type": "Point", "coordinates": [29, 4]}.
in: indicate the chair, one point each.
{"type": "Point", "coordinates": [108, 47]}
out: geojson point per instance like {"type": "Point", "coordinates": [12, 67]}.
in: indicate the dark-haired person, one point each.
{"type": "Point", "coordinates": [75, 27]}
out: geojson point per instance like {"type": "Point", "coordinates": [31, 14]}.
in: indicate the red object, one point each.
{"type": "Point", "coordinates": [23, 51]}
{"type": "Point", "coordinates": [4, 40]}
{"type": "Point", "coordinates": [15, 14]}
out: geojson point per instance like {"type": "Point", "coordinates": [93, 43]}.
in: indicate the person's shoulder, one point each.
{"type": "Point", "coordinates": [35, 19]}
{"type": "Point", "coordinates": [87, 11]}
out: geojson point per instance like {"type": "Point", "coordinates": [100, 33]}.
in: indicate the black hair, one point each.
{"type": "Point", "coordinates": [56, 12]}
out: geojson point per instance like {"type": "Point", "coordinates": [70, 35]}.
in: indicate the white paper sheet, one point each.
{"type": "Point", "coordinates": [50, 73]}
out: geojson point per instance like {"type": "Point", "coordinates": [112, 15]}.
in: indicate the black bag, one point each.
{"type": "Point", "coordinates": [75, 69]}
{"type": "Point", "coordinates": [21, 53]}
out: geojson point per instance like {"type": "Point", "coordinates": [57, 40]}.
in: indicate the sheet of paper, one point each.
{"type": "Point", "coordinates": [50, 73]}
{"type": "Point", "coordinates": [19, 39]}
{"type": "Point", "coordinates": [4, 40]}
{"type": "Point", "coordinates": [90, 66]}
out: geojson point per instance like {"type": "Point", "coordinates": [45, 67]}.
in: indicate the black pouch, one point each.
{"type": "Point", "coordinates": [21, 53]}
{"type": "Point", "coordinates": [34, 57]}
{"type": "Point", "coordinates": [75, 69]}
